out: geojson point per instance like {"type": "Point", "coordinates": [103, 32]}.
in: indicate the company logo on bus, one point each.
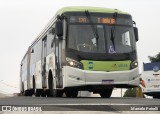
{"type": "Point", "coordinates": [119, 65]}
{"type": "Point", "coordinates": [90, 65]}
{"type": "Point", "coordinates": [155, 68]}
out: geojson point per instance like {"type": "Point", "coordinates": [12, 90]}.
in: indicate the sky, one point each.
{"type": "Point", "coordinates": [22, 20]}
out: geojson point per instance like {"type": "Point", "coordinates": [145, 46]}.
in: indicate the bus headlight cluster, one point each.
{"type": "Point", "coordinates": [134, 64]}
{"type": "Point", "coordinates": [73, 63]}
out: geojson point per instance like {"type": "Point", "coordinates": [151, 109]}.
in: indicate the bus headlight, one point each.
{"type": "Point", "coordinates": [73, 63]}
{"type": "Point", "coordinates": [134, 64]}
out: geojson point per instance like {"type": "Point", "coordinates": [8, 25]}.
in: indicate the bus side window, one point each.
{"type": "Point", "coordinates": [53, 40]}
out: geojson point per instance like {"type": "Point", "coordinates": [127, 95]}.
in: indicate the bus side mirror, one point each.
{"type": "Point", "coordinates": [59, 28]}
{"type": "Point", "coordinates": [136, 33]}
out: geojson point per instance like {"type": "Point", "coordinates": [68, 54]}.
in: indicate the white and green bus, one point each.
{"type": "Point", "coordinates": [82, 49]}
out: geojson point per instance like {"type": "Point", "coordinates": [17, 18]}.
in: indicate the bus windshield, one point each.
{"type": "Point", "coordinates": [111, 39]}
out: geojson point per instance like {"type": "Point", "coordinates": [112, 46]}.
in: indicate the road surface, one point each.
{"type": "Point", "coordinates": [83, 104]}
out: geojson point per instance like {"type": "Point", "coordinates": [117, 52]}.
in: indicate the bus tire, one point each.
{"type": "Point", "coordinates": [37, 93]}
{"type": "Point", "coordinates": [52, 92]}
{"type": "Point", "coordinates": [28, 93]}
{"type": "Point", "coordinates": [59, 93]}
{"type": "Point", "coordinates": [34, 87]}
{"type": "Point", "coordinates": [43, 93]}
{"type": "Point", "coordinates": [106, 93]}
{"type": "Point", "coordinates": [156, 97]}
{"type": "Point", "coordinates": [71, 93]}
{"type": "Point", "coordinates": [22, 91]}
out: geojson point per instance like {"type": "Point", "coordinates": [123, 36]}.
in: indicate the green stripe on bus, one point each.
{"type": "Point", "coordinates": [106, 65]}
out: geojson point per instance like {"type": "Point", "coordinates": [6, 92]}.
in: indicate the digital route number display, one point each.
{"type": "Point", "coordinates": [102, 20]}
{"type": "Point", "coordinates": [98, 20]}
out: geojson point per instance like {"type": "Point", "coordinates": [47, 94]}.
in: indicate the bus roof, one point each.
{"type": "Point", "coordinates": [77, 9]}
{"type": "Point", "coordinates": [90, 9]}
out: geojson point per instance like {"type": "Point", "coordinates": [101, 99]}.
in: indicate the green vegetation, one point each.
{"type": "Point", "coordinates": [155, 58]}
{"type": "Point", "coordinates": [134, 92]}
{"type": "Point", "coordinates": [131, 92]}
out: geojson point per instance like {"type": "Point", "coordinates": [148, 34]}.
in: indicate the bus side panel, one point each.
{"type": "Point", "coordinates": [20, 80]}
{"type": "Point", "coordinates": [50, 66]}
{"type": "Point", "coordinates": [38, 76]}
{"type": "Point", "coordinates": [24, 74]}
{"type": "Point", "coordinates": [35, 65]}
{"type": "Point", "coordinates": [32, 73]}
{"type": "Point", "coordinates": [24, 80]}
{"type": "Point", "coordinates": [50, 58]}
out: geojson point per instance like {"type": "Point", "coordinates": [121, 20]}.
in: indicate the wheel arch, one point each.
{"type": "Point", "coordinates": [51, 78]}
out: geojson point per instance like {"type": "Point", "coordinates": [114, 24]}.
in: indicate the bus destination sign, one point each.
{"type": "Point", "coordinates": [101, 20]}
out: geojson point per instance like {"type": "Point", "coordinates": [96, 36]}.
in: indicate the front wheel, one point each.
{"type": "Point", "coordinates": [106, 93]}
{"type": "Point", "coordinates": [59, 93]}
{"type": "Point", "coordinates": [71, 93]}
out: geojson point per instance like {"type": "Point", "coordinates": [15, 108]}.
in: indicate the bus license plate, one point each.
{"type": "Point", "coordinates": [107, 81]}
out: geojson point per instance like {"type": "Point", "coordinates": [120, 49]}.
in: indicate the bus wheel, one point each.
{"type": "Point", "coordinates": [37, 93]}
{"type": "Point", "coordinates": [156, 96]}
{"type": "Point", "coordinates": [106, 93]}
{"type": "Point", "coordinates": [59, 93]}
{"type": "Point", "coordinates": [28, 93]}
{"type": "Point", "coordinates": [43, 93]}
{"type": "Point", "coordinates": [71, 93]}
{"type": "Point", "coordinates": [51, 92]}
{"type": "Point", "coordinates": [35, 90]}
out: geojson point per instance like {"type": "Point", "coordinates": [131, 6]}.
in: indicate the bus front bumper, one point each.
{"type": "Point", "coordinates": [74, 77]}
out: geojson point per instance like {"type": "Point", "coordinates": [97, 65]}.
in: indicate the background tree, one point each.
{"type": "Point", "coordinates": [131, 92]}
{"type": "Point", "coordinates": [155, 58]}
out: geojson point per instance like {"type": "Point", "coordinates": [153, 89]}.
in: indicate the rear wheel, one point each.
{"type": "Point", "coordinates": [28, 93]}
{"type": "Point", "coordinates": [37, 93]}
{"type": "Point", "coordinates": [106, 93]}
{"type": "Point", "coordinates": [34, 87]}
{"type": "Point", "coordinates": [43, 93]}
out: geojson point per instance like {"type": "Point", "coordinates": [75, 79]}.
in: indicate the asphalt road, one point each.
{"type": "Point", "coordinates": [81, 103]}
{"type": "Point", "coordinates": [22, 100]}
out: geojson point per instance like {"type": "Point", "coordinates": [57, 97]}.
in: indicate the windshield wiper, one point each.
{"type": "Point", "coordinates": [113, 30]}
{"type": "Point", "coordinates": [113, 37]}
{"type": "Point", "coordinates": [92, 26]}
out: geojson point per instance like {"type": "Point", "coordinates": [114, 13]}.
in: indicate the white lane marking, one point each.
{"type": "Point", "coordinates": [89, 104]}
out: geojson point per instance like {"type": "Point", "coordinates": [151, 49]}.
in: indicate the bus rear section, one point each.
{"type": "Point", "coordinates": [151, 79]}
